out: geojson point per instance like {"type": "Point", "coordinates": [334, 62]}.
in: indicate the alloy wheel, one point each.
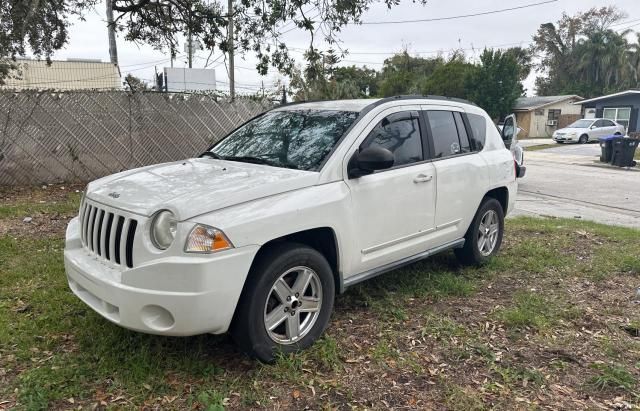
{"type": "Point", "coordinates": [293, 305]}
{"type": "Point", "coordinates": [488, 232]}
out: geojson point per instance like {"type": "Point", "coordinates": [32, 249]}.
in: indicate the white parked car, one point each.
{"type": "Point", "coordinates": [259, 234]}
{"type": "Point", "coordinates": [585, 130]}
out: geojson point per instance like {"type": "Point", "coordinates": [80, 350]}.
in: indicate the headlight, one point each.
{"type": "Point", "coordinates": [206, 239]}
{"type": "Point", "coordinates": [163, 229]}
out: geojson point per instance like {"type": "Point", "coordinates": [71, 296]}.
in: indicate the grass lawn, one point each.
{"type": "Point", "coordinates": [540, 147]}
{"type": "Point", "coordinates": [551, 322]}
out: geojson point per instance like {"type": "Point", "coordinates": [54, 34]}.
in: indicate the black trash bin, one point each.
{"type": "Point", "coordinates": [606, 148]}
{"type": "Point", "coordinates": [623, 150]}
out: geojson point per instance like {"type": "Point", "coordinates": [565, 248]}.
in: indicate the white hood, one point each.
{"type": "Point", "coordinates": [196, 186]}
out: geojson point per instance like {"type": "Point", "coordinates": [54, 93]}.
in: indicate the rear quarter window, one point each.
{"type": "Point", "coordinates": [478, 133]}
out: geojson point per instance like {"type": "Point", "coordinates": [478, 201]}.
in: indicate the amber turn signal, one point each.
{"type": "Point", "coordinates": [206, 239]}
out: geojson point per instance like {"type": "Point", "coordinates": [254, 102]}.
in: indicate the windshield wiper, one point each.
{"type": "Point", "coordinates": [250, 159]}
{"type": "Point", "coordinates": [211, 154]}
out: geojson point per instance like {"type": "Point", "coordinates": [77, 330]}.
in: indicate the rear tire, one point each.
{"type": "Point", "coordinates": [484, 236]}
{"type": "Point", "coordinates": [286, 304]}
{"type": "Point", "coordinates": [584, 139]}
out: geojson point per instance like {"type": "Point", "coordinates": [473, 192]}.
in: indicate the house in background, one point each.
{"type": "Point", "coordinates": [621, 107]}
{"type": "Point", "coordinates": [541, 116]}
{"type": "Point", "coordinates": [71, 74]}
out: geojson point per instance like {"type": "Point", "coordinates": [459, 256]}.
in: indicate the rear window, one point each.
{"type": "Point", "coordinates": [478, 130]}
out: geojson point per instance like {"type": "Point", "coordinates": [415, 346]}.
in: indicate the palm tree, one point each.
{"type": "Point", "coordinates": [602, 60]}
{"type": "Point", "coordinates": [633, 63]}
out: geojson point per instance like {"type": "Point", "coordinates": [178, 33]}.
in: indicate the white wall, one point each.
{"type": "Point", "coordinates": [190, 79]}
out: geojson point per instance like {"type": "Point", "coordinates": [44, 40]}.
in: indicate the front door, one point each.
{"type": "Point", "coordinates": [393, 210]}
{"type": "Point", "coordinates": [600, 130]}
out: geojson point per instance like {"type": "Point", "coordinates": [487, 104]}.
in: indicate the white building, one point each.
{"type": "Point", "coordinates": [71, 74]}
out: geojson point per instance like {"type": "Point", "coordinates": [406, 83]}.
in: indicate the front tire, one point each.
{"type": "Point", "coordinates": [286, 304]}
{"type": "Point", "coordinates": [584, 139]}
{"type": "Point", "coordinates": [484, 236]}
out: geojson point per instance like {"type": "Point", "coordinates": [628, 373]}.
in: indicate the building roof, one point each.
{"type": "Point", "coordinates": [622, 93]}
{"type": "Point", "coordinates": [532, 103]}
{"type": "Point", "coordinates": [71, 74]}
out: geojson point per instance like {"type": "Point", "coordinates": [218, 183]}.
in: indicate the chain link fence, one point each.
{"type": "Point", "coordinates": [75, 136]}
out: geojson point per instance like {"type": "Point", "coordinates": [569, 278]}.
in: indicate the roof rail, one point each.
{"type": "Point", "coordinates": [418, 97]}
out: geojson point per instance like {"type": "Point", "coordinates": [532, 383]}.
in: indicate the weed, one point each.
{"type": "Point", "coordinates": [530, 310]}
{"type": "Point", "coordinates": [613, 376]}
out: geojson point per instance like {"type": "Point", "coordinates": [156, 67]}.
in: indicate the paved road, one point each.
{"type": "Point", "coordinates": [566, 181]}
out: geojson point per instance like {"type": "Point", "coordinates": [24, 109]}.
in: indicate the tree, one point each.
{"type": "Point", "coordinates": [601, 61]}
{"type": "Point", "coordinates": [133, 83]}
{"type": "Point", "coordinates": [258, 26]}
{"type": "Point", "coordinates": [450, 79]}
{"type": "Point", "coordinates": [318, 82]}
{"type": "Point", "coordinates": [404, 74]}
{"type": "Point", "coordinates": [581, 54]}
{"type": "Point", "coordinates": [40, 26]}
{"type": "Point", "coordinates": [364, 79]}
{"type": "Point", "coordinates": [496, 83]}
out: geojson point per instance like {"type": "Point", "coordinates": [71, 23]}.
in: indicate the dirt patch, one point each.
{"type": "Point", "coordinates": [50, 193]}
{"type": "Point", "coordinates": [40, 225]}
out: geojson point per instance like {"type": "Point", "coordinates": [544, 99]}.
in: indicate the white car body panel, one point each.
{"type": "Point", "coordinates": [196, 186]}
{"type": "Point", "coordinates": [378, 220]}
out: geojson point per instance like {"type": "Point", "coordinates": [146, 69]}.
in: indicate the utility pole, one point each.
{"type": "Point", "coordinates": [113, 48]}
{"type": "Point", "coordinates": [232, 86]}
{"type": "Point", "coordinates": [190, 41]}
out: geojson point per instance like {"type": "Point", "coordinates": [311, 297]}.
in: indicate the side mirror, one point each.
{"type": "Point", "coordinates": [369, 160]}
{"type": "Point", "coordinates": [592, 127]}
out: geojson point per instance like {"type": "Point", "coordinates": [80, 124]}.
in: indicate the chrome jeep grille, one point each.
{"type": "Point", "coordinates": [107, 234]}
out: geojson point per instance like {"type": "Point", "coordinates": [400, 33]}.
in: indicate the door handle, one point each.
{"type": "Point", "coordinates": [422, 178]}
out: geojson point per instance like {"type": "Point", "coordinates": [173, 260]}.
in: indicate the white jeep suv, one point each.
{"type": "Point", "coordinates": [258, 234]}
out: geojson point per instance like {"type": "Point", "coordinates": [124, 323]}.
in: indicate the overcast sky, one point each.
{"type": "Point", "coordinates": [88, 39]}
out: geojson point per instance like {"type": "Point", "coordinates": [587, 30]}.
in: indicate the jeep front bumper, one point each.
{"type": "Point", "coordinates": [207, 288]}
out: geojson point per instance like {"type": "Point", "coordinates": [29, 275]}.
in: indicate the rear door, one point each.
{"type": "Point", "coordinates": [462, 173]}
{"type": "Point", "coordinates": [610, 126]}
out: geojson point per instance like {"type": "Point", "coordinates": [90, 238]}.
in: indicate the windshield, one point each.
{"type": "Point", "coordinates": [581, 124]}
{"type": "Point", "coordinates": [299, 139]}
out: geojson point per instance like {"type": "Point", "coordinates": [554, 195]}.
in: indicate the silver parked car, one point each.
{"type": "Point", "coordinates": [585, 130]}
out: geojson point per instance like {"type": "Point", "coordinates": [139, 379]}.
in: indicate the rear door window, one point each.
{"type": "Point", "coordinates": [465, 145]}
{"type": "Point", "coordinates": [478, 130]}
{"type": "Point", "coordinates": [448, 132]}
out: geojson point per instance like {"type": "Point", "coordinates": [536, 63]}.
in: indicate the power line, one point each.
{"type": "Point", "coordinates": [624, 22]}
{"type": "Point", "coordinates": [390, 53]}
{"type": "Point", "coordinates": [484, 13]}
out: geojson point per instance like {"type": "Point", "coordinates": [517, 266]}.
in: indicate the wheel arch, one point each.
{"type": "Point", "coordinates": [321, 239]}
{"type": "Point", "coordinates": [502, 195]}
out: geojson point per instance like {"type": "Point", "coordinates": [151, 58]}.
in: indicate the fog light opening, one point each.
{"type": "Point", "coordinates": [157, 318]}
